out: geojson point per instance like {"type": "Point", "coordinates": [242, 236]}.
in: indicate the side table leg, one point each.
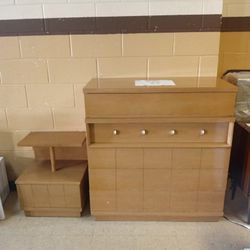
{"type": "Point", "coordinates": [52, 158]}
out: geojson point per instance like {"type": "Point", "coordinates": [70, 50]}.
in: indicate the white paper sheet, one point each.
{"type": "Point", "coordinates": [139, 83]}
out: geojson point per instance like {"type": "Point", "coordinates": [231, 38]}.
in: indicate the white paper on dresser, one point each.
{"type": "Point", "coordinates": [141, 83]}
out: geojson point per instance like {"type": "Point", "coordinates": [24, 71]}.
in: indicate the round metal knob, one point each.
{"type": "Point", "coordinates": [172, 132]}
{"type": "Point", "coordinates": [115, 132]}
{"type": "Point", "coordinates": [144, 132]}
{"type": "Point", "coordinates": [203, 132]}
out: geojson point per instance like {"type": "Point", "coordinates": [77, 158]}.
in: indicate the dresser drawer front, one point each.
{"type": "Point", "coordinates": [169, 132]}
{"type": "Point", "coordinates": [160, 105]}
{"type": "Point", "coordinates": [181, 181]}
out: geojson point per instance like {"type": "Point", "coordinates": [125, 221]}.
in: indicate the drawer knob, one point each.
{"type": "Point", "coordinates": [115, 132]}
{"type": "Point", "coordinates": [144, 132]}
{"type": "Point", "coordinates": [203, 132]}
{"type": "Point", "coordinates": [172, 132]}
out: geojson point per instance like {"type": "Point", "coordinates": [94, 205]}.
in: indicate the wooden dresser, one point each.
{"type": "Point", "coordinates": [158, 153]}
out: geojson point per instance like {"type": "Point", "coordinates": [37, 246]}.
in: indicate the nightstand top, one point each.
{"type": "Point", "coordinates": [54, 139]}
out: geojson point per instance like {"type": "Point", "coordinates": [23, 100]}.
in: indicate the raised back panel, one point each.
{"type": "Point", "coordinates": [62, 153]}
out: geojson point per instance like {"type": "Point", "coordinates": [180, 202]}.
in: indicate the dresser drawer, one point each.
{"type": "Point", "coordinates": [109, 105]}
{"type": "Point", "coordinates": [168, 132]}
{"type": "Point", "coordinates": [62, 193]}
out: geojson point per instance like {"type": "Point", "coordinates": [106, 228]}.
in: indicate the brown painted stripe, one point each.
{"type": "Point", "coordinates": [22, 27]}
{"type": "Point", "coordinates": [111, 25]}
{"type": "Point", "coordinates": [212, 23]}
{"type": "Point", "coordinates": [193, 23]}
{"type": "Point", "coordinates": [235, 24]}
{"type": "Point", "coordinates": [55, 26]}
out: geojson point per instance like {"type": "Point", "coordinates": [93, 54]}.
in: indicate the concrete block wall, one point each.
{"type": "Point", "coordinates": [235, 41]}
{"type": "Point", "coordinates": [42, 75]}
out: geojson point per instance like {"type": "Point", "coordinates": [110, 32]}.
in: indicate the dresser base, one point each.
{"type": "Point", "coordinates": [142, 217]}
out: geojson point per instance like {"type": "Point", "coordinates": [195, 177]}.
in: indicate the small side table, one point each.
{"type": "Point", "coordinates": [239, 168]}
{"type": "Point", "coordinates": [54, 188]}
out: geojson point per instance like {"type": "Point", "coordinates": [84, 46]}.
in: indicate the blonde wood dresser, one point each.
{"type": "Point", "coordinates": [159, 153]}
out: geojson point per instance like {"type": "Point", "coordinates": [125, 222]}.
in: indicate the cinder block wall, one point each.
{"type": "Point", "coordinates": [49, 49]}
{"type": "Point", "coordinates": [235, 38]}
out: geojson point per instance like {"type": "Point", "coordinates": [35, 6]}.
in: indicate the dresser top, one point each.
{"type": "Point", "coordinates": [182, 84]}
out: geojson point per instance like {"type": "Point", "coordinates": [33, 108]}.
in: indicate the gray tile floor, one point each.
{"type": "Point", "coordinates": [20, 232]}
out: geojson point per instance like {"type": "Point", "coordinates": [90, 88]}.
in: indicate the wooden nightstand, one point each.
{"type": "Point", "coordinates": [54, 188]}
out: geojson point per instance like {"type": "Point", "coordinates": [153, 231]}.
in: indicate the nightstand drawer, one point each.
{"type": "Point", "coordinates": [62, 193]}
{"type": "Point", "coordinates": [159, 132]}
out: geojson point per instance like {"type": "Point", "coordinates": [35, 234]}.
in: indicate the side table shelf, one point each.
{"type": "Point", "coordinates": [52, 140]}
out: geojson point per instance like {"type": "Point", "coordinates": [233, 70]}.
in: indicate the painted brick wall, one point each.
{"type": "Point", "coordinates": [236, 8]}
{"type": "Point", "coordinates": [235, 46]}
{"type": "Point", "coordinates": [20, 9]}
{"type": "Point", "coordinates": [41, 77]}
